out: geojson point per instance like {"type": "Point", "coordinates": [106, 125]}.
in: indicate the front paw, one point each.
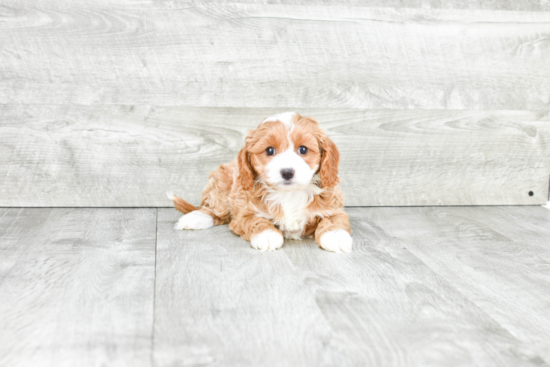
{"type": "Point", "coordinates": [268, 240]}
{"type": "Point", "coordinates": [336, 241]}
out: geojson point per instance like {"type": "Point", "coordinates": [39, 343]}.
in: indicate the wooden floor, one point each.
{"type": "Point", "coordinates": [458, 286]}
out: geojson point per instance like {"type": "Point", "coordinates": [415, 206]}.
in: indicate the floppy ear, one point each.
{"type": "Point", "coordinates": [329, 163]}
{"type": "Point", "coordinates": [246, 172]}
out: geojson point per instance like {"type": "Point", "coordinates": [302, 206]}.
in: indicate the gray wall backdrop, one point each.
{"type": "Point", "coordinates": [432, 103]}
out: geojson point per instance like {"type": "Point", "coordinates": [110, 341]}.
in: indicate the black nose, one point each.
{"type": "Point", "coordinates": [287, 173]}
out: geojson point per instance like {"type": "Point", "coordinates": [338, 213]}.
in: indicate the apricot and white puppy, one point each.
{"type": "Point", "coordinates": [283, 183]}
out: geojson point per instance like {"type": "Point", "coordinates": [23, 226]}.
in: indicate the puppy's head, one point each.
{"type": "Point", "coordinates": [286, 151]}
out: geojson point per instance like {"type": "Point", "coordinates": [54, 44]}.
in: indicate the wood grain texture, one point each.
{"type": "Point", "coordinates": [76, 287]}
{"type": "Point", "coordinates": [520, 5]}
{"type": "Point", "coordinates": [125, 156]}
{"type": "Point", "coordinates": [221, 303]}
{"type": "Point", "coordinates": [497, 257]}
{"type": "Point", "coordinates": [277, 55]}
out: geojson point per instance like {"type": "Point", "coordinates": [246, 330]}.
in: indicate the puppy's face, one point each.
{"type": "Point", "coordinates": [287, 150]}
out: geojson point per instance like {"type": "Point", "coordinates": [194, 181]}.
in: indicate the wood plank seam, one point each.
{"type": "Point", "coordinates": [154, 289]}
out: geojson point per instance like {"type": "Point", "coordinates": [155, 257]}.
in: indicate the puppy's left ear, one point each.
{"type": "Point", "coordinates": [329, 162]}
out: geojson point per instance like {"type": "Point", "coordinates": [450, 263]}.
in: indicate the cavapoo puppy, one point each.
{"type": "Point", "coordinates": [283, 184]}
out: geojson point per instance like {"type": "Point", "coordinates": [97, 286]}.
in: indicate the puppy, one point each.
{"type": "Point", "coordinates": [283, 184]}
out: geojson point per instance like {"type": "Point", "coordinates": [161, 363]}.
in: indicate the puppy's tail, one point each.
{"type": "Point", "coordinates": [181, 205]}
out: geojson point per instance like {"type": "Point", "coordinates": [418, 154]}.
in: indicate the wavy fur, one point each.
{"type": "Point", "coordinates": [250, 195]}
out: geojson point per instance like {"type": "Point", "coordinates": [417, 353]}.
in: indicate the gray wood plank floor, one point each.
{"type": "Point", "coordinates": [454, 286]}
{"type": "Point", "coordinates": [499, 265]}
{"type": "Point", "coordinates": [76, 287]}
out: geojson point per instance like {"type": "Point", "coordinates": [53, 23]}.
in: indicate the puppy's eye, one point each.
{"type": "Point", "coordinates": [270, 151]}
{"type": "Point", "coordinates": [302, 150]}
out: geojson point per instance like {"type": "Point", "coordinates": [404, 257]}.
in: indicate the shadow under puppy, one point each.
{"type": "Point", "coordinates": [283, 183]}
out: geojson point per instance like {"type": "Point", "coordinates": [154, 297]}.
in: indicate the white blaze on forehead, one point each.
{"type": "Point", "coordinates": [285, 117]}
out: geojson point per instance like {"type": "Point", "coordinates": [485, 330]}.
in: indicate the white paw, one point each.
{"type": "Point", "coordinates": [336, 241]}
{"type": "Point", "coordinates": [268, 240]}
{"type": "Point", "coordinates": [195, 220]}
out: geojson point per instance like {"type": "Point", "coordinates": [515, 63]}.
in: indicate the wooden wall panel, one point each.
{"type": "Point", "coordinates": [126, 156]}
{"type": "Point", "coordinates": [519, 5]}
{"type": "Point", "coordinates": [258, 55]}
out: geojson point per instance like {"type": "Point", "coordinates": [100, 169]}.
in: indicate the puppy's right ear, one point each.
{"type": "Point", "coordinates": [246, 172]}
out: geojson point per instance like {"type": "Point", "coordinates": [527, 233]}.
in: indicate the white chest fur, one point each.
{"type": "Point", "coordinates": [294, 207]}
